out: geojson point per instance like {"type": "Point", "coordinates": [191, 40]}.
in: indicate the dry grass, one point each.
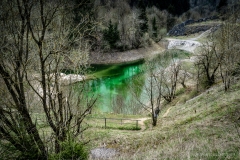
{"type": "Point", "coordinates": [205, 127]}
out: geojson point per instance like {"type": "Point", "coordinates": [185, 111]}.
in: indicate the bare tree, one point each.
{"type": "Point", "coordinates": [15, 117]}
{"type": "Point", "coordinates": [148, 92]}
{"type": "Point", "coordinates": [229, 45]}
{"type": "Point", "coordinates": [183, 75]}
{"type": "Point", "coordinates": [208, 62]}
{"type": "Point", "coordinates": [160, 81]}
{"type": "Point", "coordinates": [35, 46]}
{"type": "Point", "coordinates": [170, 79]}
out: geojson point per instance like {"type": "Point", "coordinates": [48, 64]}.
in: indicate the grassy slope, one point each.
{"type": "Point", "coordinates": [205, 127]}
{"type": "Point", "coordinates": [202, 128]}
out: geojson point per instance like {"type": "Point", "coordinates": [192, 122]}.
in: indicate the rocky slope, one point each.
{"type": "Point", "coordinates": [195, 26]}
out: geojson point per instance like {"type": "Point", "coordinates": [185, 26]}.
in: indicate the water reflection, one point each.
{"type": "Point", "coordinates": [115, 87]}
{"type": "Point", "coordinates": [115, 83]}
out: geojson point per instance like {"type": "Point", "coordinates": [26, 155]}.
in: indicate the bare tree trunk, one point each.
{"type": "Point", "coordinates": [16, 124]}
{"type": "Point", "coordinates": [34, 47]}
{"type": "Point", "coordinates": [154, 121]}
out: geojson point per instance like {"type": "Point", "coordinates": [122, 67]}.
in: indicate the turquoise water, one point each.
{"type": "Point", "coordinates": [115, 84]}
{"type": "Point", "coordinates": [112, 84]}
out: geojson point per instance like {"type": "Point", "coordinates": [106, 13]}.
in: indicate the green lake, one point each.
{"type": "Point", "coordinates": [115, 84]}
{"type": "Point", "coordinates": [112, 84]}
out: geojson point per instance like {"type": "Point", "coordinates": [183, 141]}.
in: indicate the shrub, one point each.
{"type": "Point", "coordinates": [180, 91]}
{"type": "Point", "coordinates": [71, 150]}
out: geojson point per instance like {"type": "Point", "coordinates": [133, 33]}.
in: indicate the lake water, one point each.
{"type": "Point", "coordinates": [115, 84]}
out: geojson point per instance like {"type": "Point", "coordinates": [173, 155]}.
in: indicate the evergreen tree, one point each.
{"type": "Point", "coordinates": [143, 18]}
{"type": "Point", "coordinates": [111, 34]}
{"type": "Point", "coordinates": [154, 28]}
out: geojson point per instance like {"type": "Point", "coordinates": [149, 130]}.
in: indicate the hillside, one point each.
{"type": "Point", "coordinates": [195, 125]}
{"type": "Point", "coordinates": [204, 127]}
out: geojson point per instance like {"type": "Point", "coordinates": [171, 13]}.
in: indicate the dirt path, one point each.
{"type": "Point", "coordinates": [165, 114]}
{"type": "Point", "coordinates": [141, 120]}
{"type": "Point", "coordinates": [201, 35]}
{"type": "Point", "coordinates": [141, 123]}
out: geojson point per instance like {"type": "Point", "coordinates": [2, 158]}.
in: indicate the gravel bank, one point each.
{"type": "Point", "coordinates": [127, 56]}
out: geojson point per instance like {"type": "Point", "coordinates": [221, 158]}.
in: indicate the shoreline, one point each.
{"type": "Point", "coordinates": [128, 57]}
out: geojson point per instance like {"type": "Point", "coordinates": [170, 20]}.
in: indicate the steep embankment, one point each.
{"type": "Point", "coordinates": [206, 127]}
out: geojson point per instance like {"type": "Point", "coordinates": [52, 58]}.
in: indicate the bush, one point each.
{"type": "Point", "coordinates": [180, 91]}
{"type": "Point", "coordinates": [8, 151]}
{"type": "Point", "coordinates": [71, 150]}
